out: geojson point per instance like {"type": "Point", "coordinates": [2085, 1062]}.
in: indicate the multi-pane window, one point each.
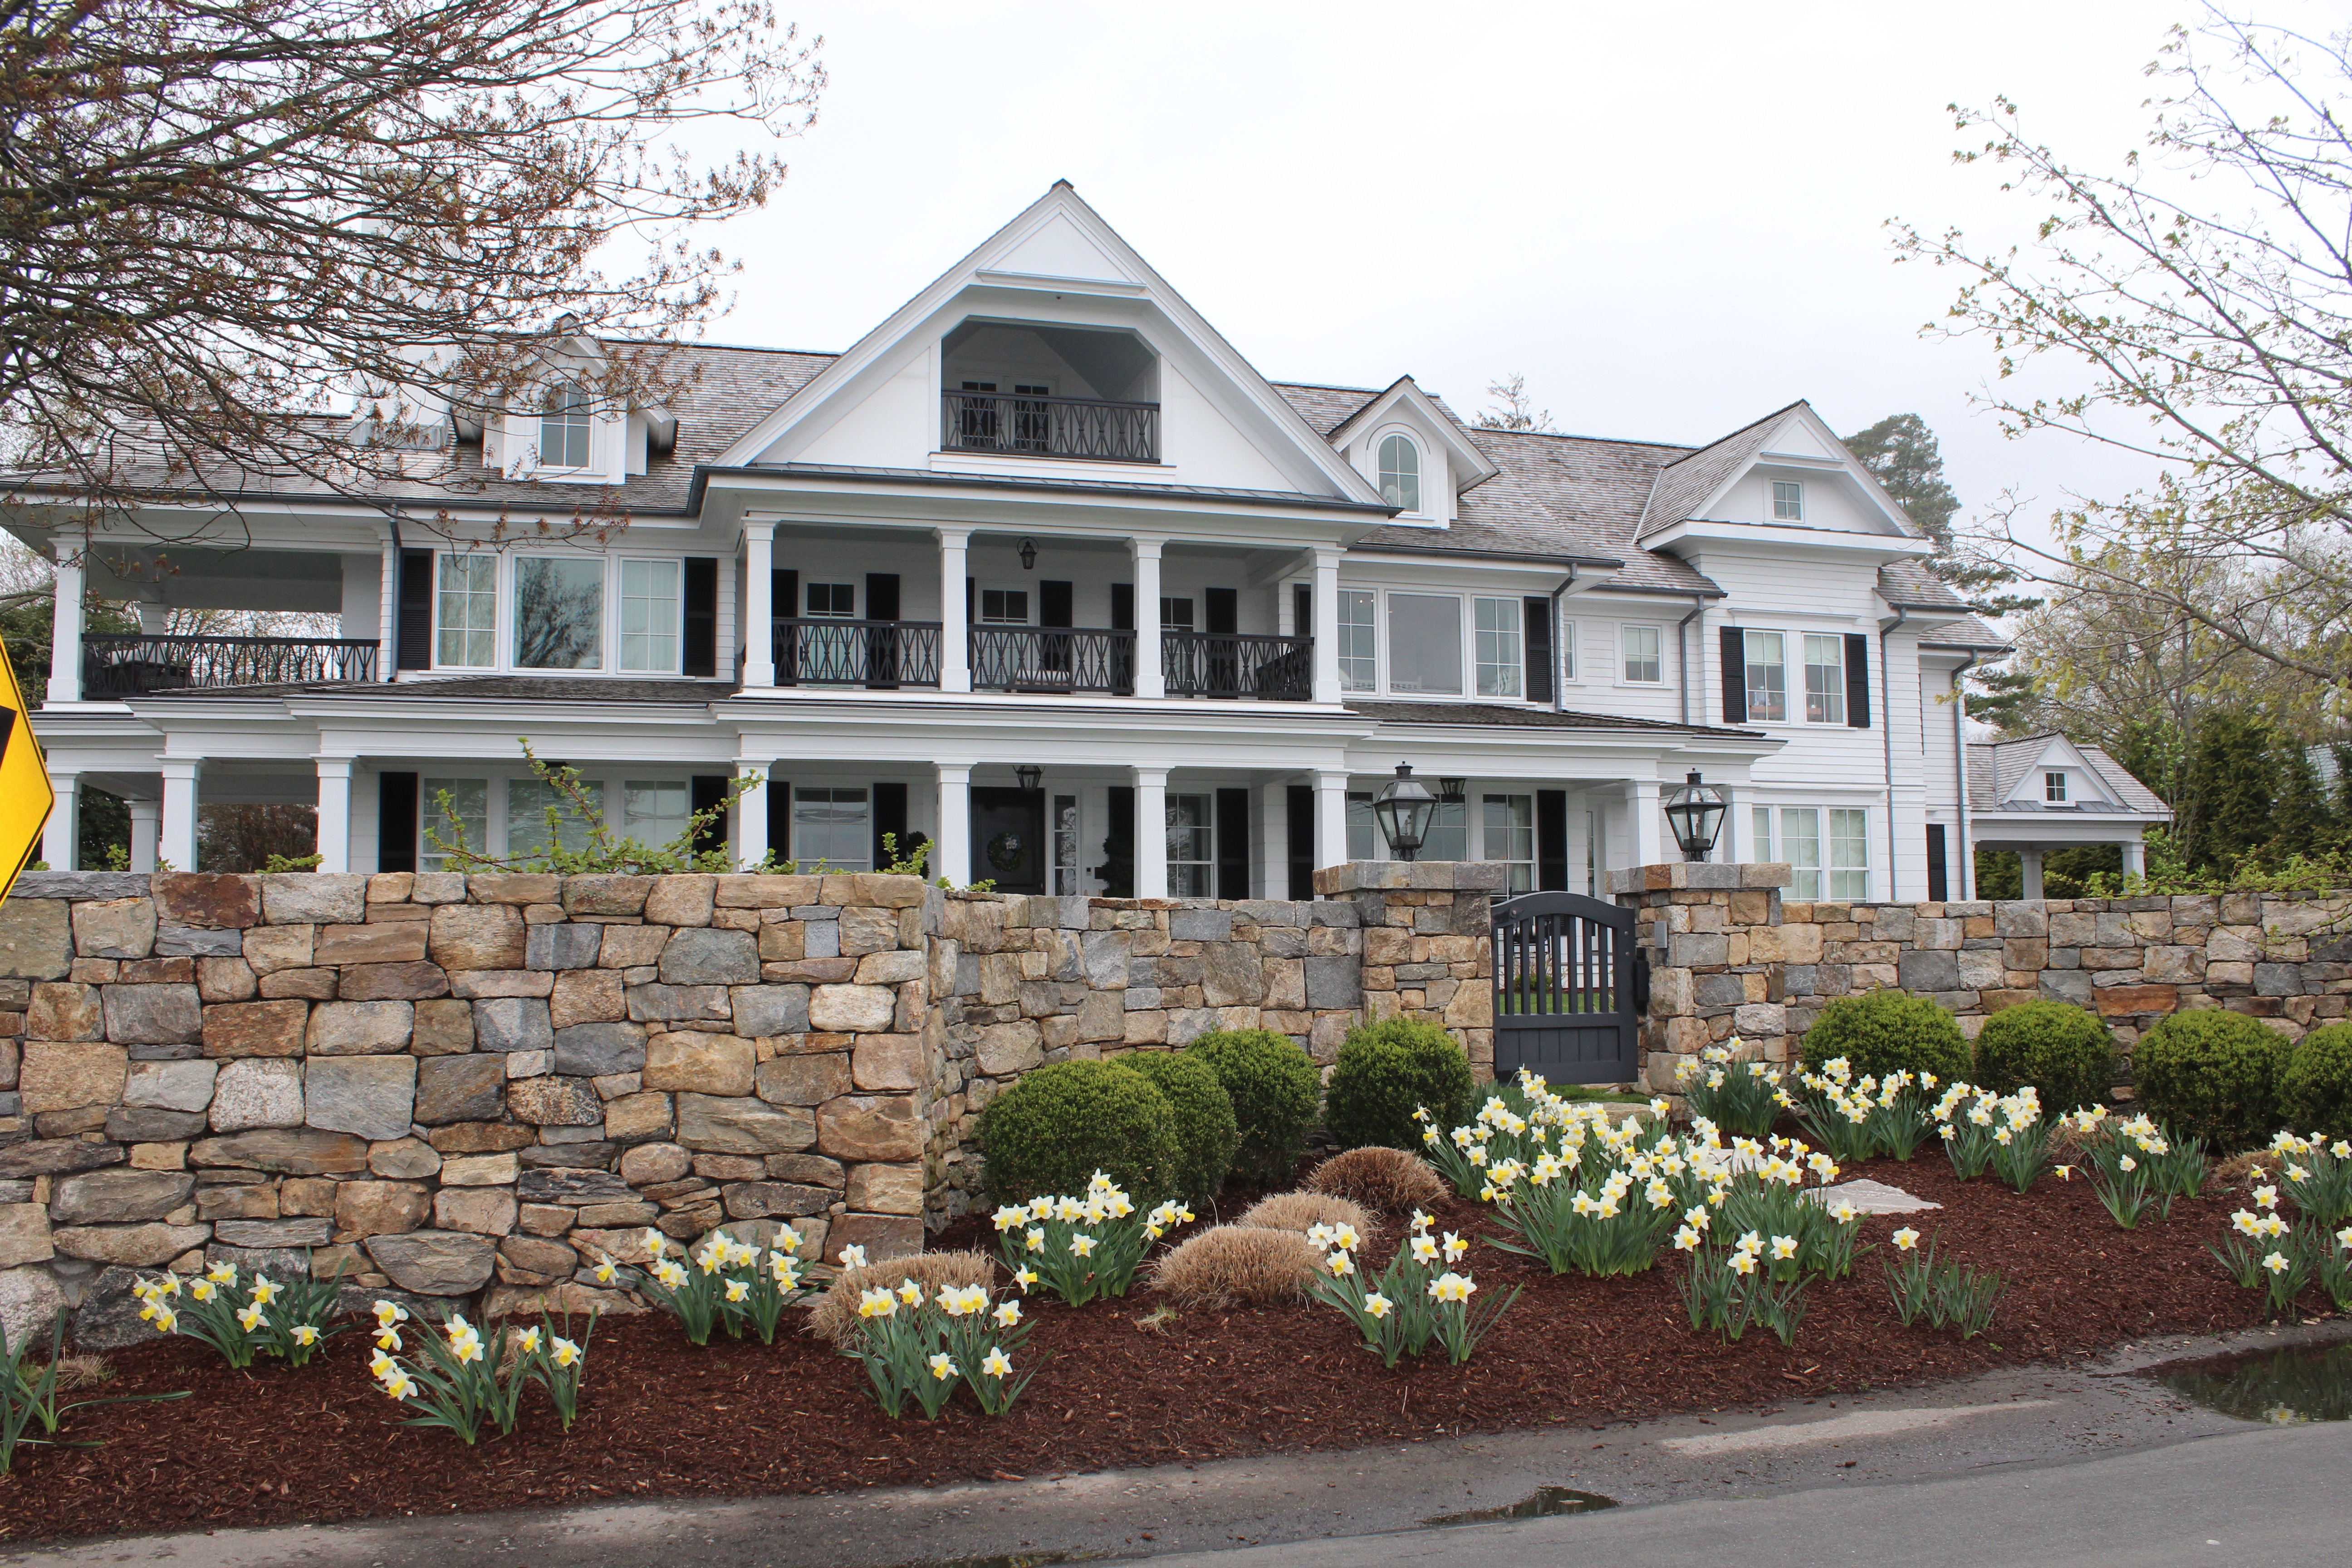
{"type": "Point", "coordinates": [1359, 641]}
{"type": "Point", "coordinates": [654, 812]}
{"type": "Point", "coordinates": [1788, 501]}
{"type": "Point", "coordinates": [539, 817]}
{"type": "Point", "coordinates": [1761, 819]}
{"type": "Point", "coordinates": [1496, 624]}
{"type": "Point", "coordinates": [649, 609]}
{"type": "Point", "coordinates": [1849, 855]}
{"type": "Point", "coordinates": [1642, 660]}
{"type": "Point", "coordinates": [1567, 650]}
{"type": "Point", "coordinates": [559, 612]}
{"type": "Point", "coordinates": [834, 600]}
{"type": "Point", "coordinates": [456, 812]}
{"type": "Point", "coordinates": [1449, 832]}
{"type": "Point", "coordinates": [2053, 788]}
{"type": "Point", "coordinates": [1801, 845]}
{"type": "Point", "coordinates": [832, 827]}
{"type": "Point", "coordinates": [468, 611]}
{"type": "Point", "coordinates": [1511, 837]}
{"type": "Point", "coordinates": [1191, 846]}
{"type": "Point", "coordinates": [1424, 645]}
{"type": "Point", "coordinates": [1824, 679]}
{"type": "Point", "coordinates": [1364, 835]}
{"type": "Point", "coordinates": [1004, 606]}
{"type": "Point", "coordinates": [1400, 473]}
{"type": "Point", "coordinates": [1767, 675]}
{"type": "Point", "coordinates": [1176, 615]}
{"type": "Point", "coordinates": [564, 429]}
{"type": "Point", "coordinates": [1066, 845]}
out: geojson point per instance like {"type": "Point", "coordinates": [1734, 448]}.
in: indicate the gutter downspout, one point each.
{"type": "Point", "coordinates": [392, 621]}
{"type": "Point", "coordinates": [1558, 687]}
{"type": "Point", "coordinates": [1681, 652]}
{"type": "Point", "coordinates": [1887, 733]}
{"type": "Point", "coordinates": [1960, 768]}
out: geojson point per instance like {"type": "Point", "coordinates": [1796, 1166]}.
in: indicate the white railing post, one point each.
{"type": "Point", "coordinates": [1330, 819]}
{"type": "Point", "coordinates": [178, 834]}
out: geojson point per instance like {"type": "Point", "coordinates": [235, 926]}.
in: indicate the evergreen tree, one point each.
{"type": "Point", "coordinates": [2231, 788]}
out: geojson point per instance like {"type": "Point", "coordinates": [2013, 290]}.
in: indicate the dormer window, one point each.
{"type": "Point", "coordinates": [1788, 501]}
{"type": "Point", "coordinates": [2053, 788]}
{"type": "Point", "coordinates": [1400, 473]}
{"type": "Point", "coordinates": [563, 428]}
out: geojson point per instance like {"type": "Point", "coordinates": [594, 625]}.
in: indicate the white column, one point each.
{"type": "Point", "coordinates": [1274, 840]}
{"type": "Point", "coordinates": [759, 605]}
{"type": "Point", "coordinates": [1738, 828]}
{"type": "Point", "coordinates": [2029, 861]}
{"type": "Point", "coordinates": [154, 620]}
{"type": "Point", "coordinates": [2135, 858]}
{"type": "Point", "coordinates": [64, 639]}
{"type": "Point", "coordinates": [1150, 807]}
{"type": "Point", "coordinates": [955, 631]}
{"type": "Point", "coordinates": [951, 857]}
{"type": "Point", "coordinates": [1150, 676]}
{"type": "Point", "coordinates": [334, 814]}
{"type": "Point", "coordinates": [177, 839]}
{"type": "Point", "coordinates": [62, 832]}
{"type": "Point", "coordinates": [145, 815]}
{"type": "Point", "coordinates": [750, 830]}
{"type": "Point", "coordinates": [1330, 819]}
{"type": "Point", "coordinates": [1644, 823]}
{"type": "Point", "coordinates": [1327, 626]}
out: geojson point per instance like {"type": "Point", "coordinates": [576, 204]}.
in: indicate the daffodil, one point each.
{"type": "Point", "coordinates": [387, 1338]}
{"type": "Point", "coordinates": [657, 1244]}
{"type": "Point", "coordinates": [1007, 1313]}
{"type": "Point", "coordinates": [1686, 1239]}
{"type": "Point", "coordinates": [167, 1320]}
{"type": "Point", "coordinates": [387, 1314]}
{"type": "Point", "coordinates": [911, 1292]}
{"type": "Point", "coordinates": [996, 1363]}
{"type": "Point", "coordinates": [248, 1318]}
{"type": "Point", "coordinates": [853, 1257]}
{"type": "Point", "coordinates": [1784, 1248]}
{"type": "Point", "coordinates": [1743, 1263]}
{"type": "Point", "coordinates": [943, 1366]}
{"type": "Point", "coordinates": [306, 1334]}
{"type": "Point", "coordinates": [1451, 1286]}
{"type": "Point", "coordinates": [1082, 1245]}
{"type": "Point", "coordinates": [1339, 1264]}
{"type": "Point", "coordinates": [1036, 1240]}
{"type": "Point", "coordinates": [2277, 1263]}
{"type": "Point", "coordinates": [382, 1365]}
{"type": "Point", "coordinates": [2266, 1198]}
{"type": "Point", "coordinates": [604, 1270]}
{"type": "Point", "coordinates": [1844, 1212]}
{"type": "Point", "coordinates": [1026, 1277]}
{"type": "Point", "coordinates": [264, 1290]}
{"type": "Point", "coordinates": [399, 1387]}
{"type": "Point", "coordinates": [564, 1353]}
{"type": "Point", "coordinates": [876, 1304]}
{"type": "Point", "coordinates": [1378, 1305]}
{"type": "Point", "coordinates": [1905, 1239]}
{"type": "Point", "coordinates": [222, 1274]}
{"type": "Point", "coordinates": [203, 1289]}
{"type": "Point", "coordinates": [737, 1289]}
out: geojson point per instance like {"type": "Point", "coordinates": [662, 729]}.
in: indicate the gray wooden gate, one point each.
{"type": "Point", "coordinates": [1569, 989]}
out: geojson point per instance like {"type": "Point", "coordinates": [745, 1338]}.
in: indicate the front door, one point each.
{"type": "Point", "coordinates": [1008, 839]}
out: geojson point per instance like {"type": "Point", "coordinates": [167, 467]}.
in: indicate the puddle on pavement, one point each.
{"type": "Point", "coordinates": [1541, 1503]}
{"type": "Point", "coordinates": [2284, 1387]}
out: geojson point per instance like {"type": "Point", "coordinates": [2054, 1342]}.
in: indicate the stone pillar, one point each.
{"type": "Point", "coordinates": [65, 637]}
{"type": "Point", "coordinates": [2029, 863]}
{"type": "Point", "coordinates": [952, 857]}
{"type": "Point", "coordinates": [1150, 675]}
{"type": "Point", "coordinates": [1330, 819]}
{"type": "Point", "coordinates": [176, 841]}
{"type": "Point", "coordinates": [145, 815]}
{"type": "Point", "coordinates": [334, 815]}
{"type": "Point", "coordinates": [759, 605]}
{"type": "Point", "coordinates": [1722, 961]}
{"type": "Point", "coordinates": [1152, 809]}
{"type": "Point", "coordinates": [1327, 626]}
{"type": "Point", "coordinates": [61, 834]}
{"type": "Point", "coordinates": [1426, 951]}
{"type": "Point", "coordinates": [955, 628]}
{"type": "Point", "coordinates": [1643, 821]}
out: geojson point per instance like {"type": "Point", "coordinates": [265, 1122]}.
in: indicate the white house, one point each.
{"type": "Point", "coordinates": [1039, 559]}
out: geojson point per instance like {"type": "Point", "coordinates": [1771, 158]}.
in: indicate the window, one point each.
{"type": "Point", "coordinates": [1176, 615]}
{"type": "Point", "coordinates": [1191, 846]}
{"type": "Point", "coordinates": [1497, 638]}
{"type": "Point", "coordinates": [833, 827]}
{"type": "Point", "coordinates": [1400, 473]}
{"type": "Point", "coordinates": [469, 609]}
{"type": "Point", "coordinates": [1767, 675]}
{"type": "Point", "coordinates": [558, 613]}
{"type": "Point", "coordinates": [2053, 788]}
{"type": "Point", "coordinates": [1364, 835]}
{"type": "Point", "coordinates": [1004, 606]}
{"type": "Point", "coordinates": [1567, 650]}
{"type": "Point", "coordinates": [833, 601]}
{"type": "Point", "coordinates": [1801, 845]}
{"type": "Point", "coordinates": [1359, 641]}
{"type": "Point", "coordinates": [469, 801]}
{"type": "Point", "coordinates": [1449, 832]}
{"type": "Point", "coordinates": [1066, 845]}
{"type": "Point", "coordinates": [1511, 837]}
{"type": "Point", "coordinates": [1642, 660]}
{"type": "Point", "coordinates": [564, 429]}
{"type": "Point", "coordinates": [1762, 820]}
{"type": "Point", "coordinates": [1424, 645]}
{"type": "Point", "coordinates": [1824, 679]}
{"type": "Point", "coordinates": [1850, 856]}
{"type": "Point", "coordinates": [649, 616]}
{"type": "Point", "coordinates": [531, 803]}
{"type": "Point", "coordinates": [654, 812]}
{"type": "Point", "coordinates": [1788, 501]}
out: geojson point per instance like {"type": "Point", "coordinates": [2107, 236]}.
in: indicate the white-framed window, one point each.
{"type": "Point", "coordinates": [530, 802]}
{"type": "Point", "coordinates": [2053, 788]}
{"type": "Point", "coordinates": [467, 610]}
{"type": "Point", "coordinates": [1641, 661]}
{"type": "Point", "coordinates": [467, 800]}
{"type": "Point", "coordinates": [1066, 845]}
{"type": "Point", "coordinates": [654, 812]}
{"type": "Point", "coordinates": [1511, 836]}
{"type": "Point", "coordinates": [1363, 835]}
{"type": "Point", "coordinates": [559, 612]}
{"type": "Point", "coordinates": [1176, 615]}
{"type": "Point", "coordinates": [649, 616]}
{"type": "Point", "coordinates": [1359, 639]}
{"type": "Point", "coordinates": [1567, 643]}
{"type": "Point", "coordinates": [1401, 472]}
{"type": "Point", "coordinates": [1849, 855]}
{"type": "Point", "coordinates": [1424, 645]}
{"type": "Point", "coordinates": [833, 601]}
{"type": "Point", "coordinates": [1801, 845]}
{"type": "Point", "coordinates": [1824, 679]}
{"type": "Point", "coordinates": [1761, 818]}
{"type": "Point", "coordinates": [833, 825]}
{"type": "Point", "coordinates": [1004, 606]}
{"type": "Point", "coordinates": [1767, 675]}
{"type": "Point", "coordinates": [1191, 846]}
{"type": "Point", "coordinates": [566, 425]}
{"type": "Point", "coordinates": [1496, 633]}
{"type": "Point", "coordinates": [1788, 501]}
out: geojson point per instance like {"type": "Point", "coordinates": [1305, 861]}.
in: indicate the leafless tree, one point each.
{"type": "Point", "coordinates": [1513, 409]}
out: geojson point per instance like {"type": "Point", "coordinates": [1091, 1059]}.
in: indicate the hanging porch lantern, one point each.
{"type": "Point", "coordinates": [1404, 809]}
{"type": "Point", "coordinates": [1695, 811]}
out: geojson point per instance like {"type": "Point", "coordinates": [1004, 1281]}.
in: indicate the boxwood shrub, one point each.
{"type": "Point", "coordinates": [2212, 1074]}
{"type": "Point", "coordinates": [1207, 1136]}
{"type": "Point", "coordinates": [1274, 1089]}
{"type": "Point", "coordinates": [1386, 1071]}
{"type": "Point", "coordinates": [2315, 1085]}
{"type": "Point", "coordinates": [2065, 1052]}
{"type": "Point", "coordinates": [1050, 1132]}
{"type": "Point", "coordinates": [1880, 1032]}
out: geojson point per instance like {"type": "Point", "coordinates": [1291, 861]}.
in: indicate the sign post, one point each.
{"type": "Point", "coordinates": [26, 796]}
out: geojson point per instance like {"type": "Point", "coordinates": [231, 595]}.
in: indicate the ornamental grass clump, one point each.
{"type": "Point", "coordinates": [463, 1381]}
{"type": "Point", "coordinates": [1389, 1180]}
{"type": "Point", "coordinates": [1419, 1298]}
{"type": "Point", "coordinates": [289, 1321]}
{"type": "Point", "coordinates": [1080, 1248]}
{"type": "Point", "coordinates": [924, 1344]}
{"type": "Point", "coordinates": [1741, 1097]}
{"type": "Point", "coordinates": [731, 1284]}
{"type": "Point", "coordinates": [1231, 1266]}
{"type": "Point", "coordinates": [1947, 1294]}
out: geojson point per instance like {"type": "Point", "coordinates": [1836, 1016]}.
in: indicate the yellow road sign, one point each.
{"type": "Point", "coordinates": [26, 797]}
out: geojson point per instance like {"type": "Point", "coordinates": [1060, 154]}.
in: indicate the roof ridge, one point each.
{"type": "Point", "coordinates": [1743, 430]}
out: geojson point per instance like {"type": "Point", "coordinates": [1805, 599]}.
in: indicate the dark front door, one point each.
{"type": "Point", "coordinates": [1008, 839]}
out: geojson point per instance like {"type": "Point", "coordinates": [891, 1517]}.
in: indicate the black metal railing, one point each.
{"type": "Point", "coordinates": [1237, 664]}
{"type": "Point", "coordinates": [1052, 659]}
{"type": "Point", "coordinates": [127, 665]}
{"type": "Point", "coordinates": [823, 651]}
{"type": "Point", "coordinates": [1050, 426]}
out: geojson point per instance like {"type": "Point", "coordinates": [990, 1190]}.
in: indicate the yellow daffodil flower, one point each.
{"type": "Point", "coordinates": [1082, 1246]}
{"type": "Point", "coordinates": [997, 1364]}
{"type": "Point", "coordinates": [306, 1334]}
{"type": "Point", "coordinates": [1378, 1305]}
{"type": "Point", "coordinates": [943, 1366]}
{"type": "Point", "coordinates": [564, 1353]}
{"type": "Point", "coordinates": [1905, 1239]}
{"type": "Point", "coordinates": [1007, 1313]}
{"type": "Point", "coordinates": [1451, 1286]}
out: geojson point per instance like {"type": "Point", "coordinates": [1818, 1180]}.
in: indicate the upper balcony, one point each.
{"type": "Point", "coordinates": [1031, 426]}
{"type": "Point", "coordinates": [891, 656]}
{"type": "Point", "coordinates": [1022, 390]}
{"type": "Point", "coordinates": [117, 664]}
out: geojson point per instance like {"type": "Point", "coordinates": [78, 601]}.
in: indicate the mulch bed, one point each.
{"type": "Point", "coordinates": [661, 1418]}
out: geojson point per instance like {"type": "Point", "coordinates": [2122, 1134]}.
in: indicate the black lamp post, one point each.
{"type": "Point", "coordinates": [1029, 775]}
{"type": "Point", "coordinates": [1403, 808]}
{"type": "Point", "coordinates": [1695, 813]}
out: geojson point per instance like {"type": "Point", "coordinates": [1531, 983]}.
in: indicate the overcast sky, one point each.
{"type": "Point", "coordinates": [1670, 220]}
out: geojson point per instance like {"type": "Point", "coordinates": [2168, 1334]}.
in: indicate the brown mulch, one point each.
{"type": "Point", "coordinates": [661, 1418]}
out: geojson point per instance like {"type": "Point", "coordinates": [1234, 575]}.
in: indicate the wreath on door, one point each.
{"type": "Point", "coordinates": [1006, 851]}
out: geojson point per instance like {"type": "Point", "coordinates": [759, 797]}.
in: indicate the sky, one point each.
{"type": "Point", "coordinates": [1670, 220]}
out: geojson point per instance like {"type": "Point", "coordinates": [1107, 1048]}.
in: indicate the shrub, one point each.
{"type": "Point", "coordinates": [1050, 1132]}
{"type": "Point", "coordinates": [2212, 1075]}
{"type": "Point", "coordinates": [1387, 1179]}
{"type": "Point", "coordinates": [2314, 1088]}
{"type": "Point", "coordinates": [1302, 1212]}
{"type": "Point", "coordinates": [1388, 1070]}
{"type": "Point", "coordinates": [2064, 1051]}
{"type": "Point", "coordinates": [1206, 1132]}
{"type": "Point", "coordinates": [1274, 1089]}
{"type": "Point", "coordinates": [1231, 1266]}
{"type": "Point", "coordinates": [832, 1318]}
{"type": "Point", "coordinates": [1880, 1032]}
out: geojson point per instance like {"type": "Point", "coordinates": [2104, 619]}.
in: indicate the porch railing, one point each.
{"type": "Point", "coordinates": [1049, 427]}
{"type": "Point", "coordinates": [822, 651]}
{"type": "Point", "coordinates": [131, 665]}
{"type": "Point", "coordinates": [1237, 664]}
{"type": "Point", "coordinates": [882, 654]}
{"type": "Point", "coordinates": [1052, 659]}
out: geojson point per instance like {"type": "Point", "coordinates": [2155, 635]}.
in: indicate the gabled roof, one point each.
{"type": "Point", "coordinates": [1909, 585]}
{"type": "Point", "coordinates": [1687, 483]}
{"type": "Point", "coordinates": [1995, 767]}
{"type": "Point", "coordinates": [1472, 465]}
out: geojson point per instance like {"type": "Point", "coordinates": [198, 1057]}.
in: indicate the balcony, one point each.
{"type": "Point", "coordinates": [877, 655]}
{"type": "Point", "coordinates": [1237, 664]}
{"type": "Point", "coordinates": [1049, 427]}
{"type": "Point", "coordinates": [1032, 658]}
{"type": "Point", "coordinates": [122, 665]}
{"type": "Point", "coordinates": [882, 656]}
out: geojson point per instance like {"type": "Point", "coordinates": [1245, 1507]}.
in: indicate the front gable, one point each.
{"type": "Point", "coordinates": [1445, 462]}
{"type": "Point", "coordinates": [2025, 780]}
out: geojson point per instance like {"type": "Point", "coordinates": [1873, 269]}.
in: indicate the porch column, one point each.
{"type": "Point", "coordinates": [1327, 626]}
{"type": "Point", "coordinates": [2135, 858]}
{"type": "Point", "coordinates": [176, 842]}
{"type": "Point", "coordinates": [955, 629]}
{"type": "Point", "coordinates": [1150, 675]}
{"type": "Point", "coordinates": [1642, 820]}
{"type": "Point", "coordinates": [759, 604]}
{"type": "Point", "coordinates": [62, 832]}
{"type": "Point", "coordinates": [1739, 827]}
{"type": "Point", "coordinates": [65, 637]}
{"type": "Point", "coordinates": [1273, 870]}
{"type": "Point", "coordinates": [154, 620]}
{"type": "Point", "coordinates": [952, 858]}
{"type": "Point", "coordinates": [2029, 862]}
{"type": "Point", "coordinates": [1330, 819]}
{"type": "Point", "coordinates": [334, 813]}
{"type": "Point", "coordinates": [144, 814]}
{"type": "Point", "coordinates": [749, 834]}
{"type": "Point", "coordinates": [1150, 803]}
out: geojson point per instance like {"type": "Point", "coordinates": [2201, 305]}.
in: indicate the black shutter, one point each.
{"type": "Point", "coordinates": [891, 817]}
{"type": "Point", "coordinates": [784, 591]}
{"type": "Point", "coordinates": [1302, 841]}
{"type": "Point", "coordinates": [1117, 870]}
{"type": "Point", "coordinates": [784, 604]}
{"type": "Point", "coordinates": [1225, 610]}
{"type": "Point", "coordinates": [971, 600]}
{"type": "Point", "coordinates": [413, 646]}
{"type": "Point", "coordinates": [1122, 607]}
{"type": "Point", "coordinates": [1939, 887]}
{"type": "Point", "coordinates": [1551, 840]}
{"type": "Point", "coordinates": [1857, 681]}
{"type": "Point", "coordinates": [1302, 610]}
{"type": "Point", "coordinates": [1537, 613]}
{"type": "Point", "coordinates": [700, 624]}
{"type": "Point", "coordinates": [779, 818]}
{"type": "Point", "coordinates": [881, 595]}
{"type": "Point", "coordinates": [1055, 603]}
{"type": "Point", "coordinates": [1233, 834]}
{"type": "Point", "coordinates": [395, 820]}
{"type": "Point", "coordinates": [1735, 675]}
{"type": "Point", "coordinates": [708, 791]}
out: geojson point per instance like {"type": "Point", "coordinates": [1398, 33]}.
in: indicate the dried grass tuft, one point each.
{"type": "Point", "coordinates": [1302, 1212]}
{"type": "Point", "coordinates": [833, 1318]}
{"type": "Point", "coordinates": [1237, 1266]}
{"type": "Point", "coordinates": [1393, 1181]}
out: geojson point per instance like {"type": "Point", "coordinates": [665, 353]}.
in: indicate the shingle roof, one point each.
{"type": "Point", "coordinates": [1994, 768]}
{"type": "Point", "coordinates": [1684, 484]}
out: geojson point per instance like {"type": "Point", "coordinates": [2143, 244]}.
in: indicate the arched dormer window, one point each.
{"type": "Point", "coordinates": [563, 428]}
{"type": "Point", "coordinates": [1401, 472]}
